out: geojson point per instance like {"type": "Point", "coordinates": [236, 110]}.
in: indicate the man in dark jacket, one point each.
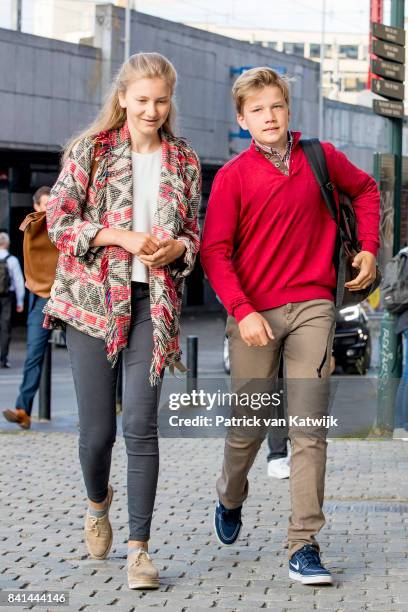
{"type": "Point", "coordinates": [401, 400]}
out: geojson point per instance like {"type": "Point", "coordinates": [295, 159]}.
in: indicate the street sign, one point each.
{"type": "Point", "coordinates": [388, 89]}
{"type": "Point", "coordinates": [386, 108]}
{"type": "Point", "coordinates": [393, 35]}
{"type": "Point", "coordinates": [389, 70]}
{"type": "Point", "coordinates": [388, 51]}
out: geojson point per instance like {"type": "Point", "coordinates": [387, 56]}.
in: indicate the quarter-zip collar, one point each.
{"type": "Point", "coordinates": [296, 136]}
{"type": "Point", "coordinates": [255, 149]}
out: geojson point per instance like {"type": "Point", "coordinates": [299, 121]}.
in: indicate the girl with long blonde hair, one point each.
{"type": "Point", "coordinates": [123, 214]}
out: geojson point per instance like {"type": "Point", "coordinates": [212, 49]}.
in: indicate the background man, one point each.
{"type": "Point", "coordinates": [37, 339]}
{"type": "Point", "coordinates": [11, 291]}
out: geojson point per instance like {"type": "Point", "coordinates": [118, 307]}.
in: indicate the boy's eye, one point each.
{"type": "Point", "coordinates": [255, 110]}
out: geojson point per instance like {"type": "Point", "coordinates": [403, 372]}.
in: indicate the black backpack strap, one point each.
{"type": "Point", "coordinates": [317, 160]}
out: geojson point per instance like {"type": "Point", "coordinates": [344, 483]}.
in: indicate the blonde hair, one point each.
{"type": "Point", "coordinates": [258, 78]}
{"type": "Point", "coordinates": [112, 115]}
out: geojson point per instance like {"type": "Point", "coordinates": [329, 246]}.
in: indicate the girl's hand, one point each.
{"type": "Point", "coordinates": [139, 243]}
{"type": "Point", "coordinates": [168, 251]}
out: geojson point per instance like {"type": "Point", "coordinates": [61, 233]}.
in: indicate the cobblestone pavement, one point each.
{"type": "Point", "coordinates": [364, 541]}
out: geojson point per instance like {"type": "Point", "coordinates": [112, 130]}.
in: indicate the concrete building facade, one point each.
{"type": "Point", "coordinates": [51, 89]}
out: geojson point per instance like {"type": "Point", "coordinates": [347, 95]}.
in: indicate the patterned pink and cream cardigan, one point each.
{"type": "Point", "coordinates": [92, 287]}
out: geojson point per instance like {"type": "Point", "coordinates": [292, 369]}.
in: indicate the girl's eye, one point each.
{"type": "Point", "coordinates": [255, 110]}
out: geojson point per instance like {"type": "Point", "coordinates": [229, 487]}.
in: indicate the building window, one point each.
{"type": "Point", "coordinates": [353, 83]}
{"type": "Point", "coordinates": [294, 48]}
{"type": "Point", "coordinates": [314, 50]}
{"type": "Point", "coordinates": [272, 45]}
{"type": "Point", "coordinates": [350, 51]}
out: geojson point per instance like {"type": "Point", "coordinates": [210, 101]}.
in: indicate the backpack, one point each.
{"type": "Point", "coordinates": [395, 285]}
{"type": "Point", "coordinates": [5, 278]}
{"type": "Point", "coordinates": [40, 255]}
{"type": "Point", "coordinates": [347, 243]}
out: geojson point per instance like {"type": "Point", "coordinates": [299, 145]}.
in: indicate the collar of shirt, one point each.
{"type": "Point", "coordinates": [286, 156]}
{"type": "Point", "coordinates": [3, 253]}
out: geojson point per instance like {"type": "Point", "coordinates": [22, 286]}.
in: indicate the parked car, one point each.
{"type": "Point", "coordinates": [352, 341]}
{"type": "Point", "coordinates": [351, 346]}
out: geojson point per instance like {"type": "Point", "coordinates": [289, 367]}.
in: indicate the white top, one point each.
{"type": "Point", "coordinates": [146, 169]}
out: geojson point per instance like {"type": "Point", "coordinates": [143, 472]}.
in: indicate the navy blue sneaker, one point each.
{"type": "Point", "coordinates": [306, 567]}
{"type": "Point", "coordinates": [227, 524]}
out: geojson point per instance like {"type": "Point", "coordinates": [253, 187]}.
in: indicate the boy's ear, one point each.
{"type": "Point", "coordinates": [241, 122]}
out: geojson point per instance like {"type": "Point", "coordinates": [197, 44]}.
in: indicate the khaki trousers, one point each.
{"type": "Point", "coordinates": [304, 333]}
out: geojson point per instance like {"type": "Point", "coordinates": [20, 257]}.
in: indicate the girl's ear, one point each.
{"type": "Point", "coordinates": [121, 99]}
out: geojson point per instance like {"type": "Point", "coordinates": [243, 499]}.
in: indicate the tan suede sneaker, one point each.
{"type": "Point", "coordinates": [141, 572]}
{"type": "Point", "coordinates": [98, 532]}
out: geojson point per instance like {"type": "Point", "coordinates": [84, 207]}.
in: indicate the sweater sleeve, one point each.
{"type": "Point", "coordinates": [67, 226]}
{"type": "Point", "coordinates": [363, 192]}
{"type": "Point", "coordinates": [217, 249]}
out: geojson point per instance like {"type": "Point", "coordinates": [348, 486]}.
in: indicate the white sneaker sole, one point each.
{"type": "Point", "coordinates": [311, 579]}
{"type": "Point", "coordinates": [220, 541]}
{"type": "Point", "coordinates": [144, 585]}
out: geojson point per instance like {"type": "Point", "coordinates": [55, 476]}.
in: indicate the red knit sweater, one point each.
{"type": "Point", "coordinates": [268, 238]}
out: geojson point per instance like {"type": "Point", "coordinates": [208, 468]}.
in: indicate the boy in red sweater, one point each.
{"type": "Point", "coordinates": [267, 250]}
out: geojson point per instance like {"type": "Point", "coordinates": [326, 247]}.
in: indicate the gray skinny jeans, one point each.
{"type": "Point", "coordinates": [95, 385]}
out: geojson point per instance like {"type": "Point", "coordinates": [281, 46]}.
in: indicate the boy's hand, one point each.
{"type": "Point", "coordinates": [365, 261]}
{"type": "Point", "coordinates": [255, 330]}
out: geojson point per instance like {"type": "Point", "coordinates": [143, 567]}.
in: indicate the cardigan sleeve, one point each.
{"type": "Point", "coordinates": [218, 244]}
{"type": "Point", "coordinates": [67, 225]}
{"type": "Point", "coordinates": [189, 233]}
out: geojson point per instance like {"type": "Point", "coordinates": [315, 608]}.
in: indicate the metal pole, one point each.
{"type": "Point", "coordinates": [390, 342]}
{"type": "Point", "coordinates": [19, 14]}
{"type": "Point", "coordinates": [322, 54]}
{"type": "Point", "coordinates": [192, 363]}
{"type": "Point", "coordinates": [127, 31]}
{"type": "Point", "coordinates": [397, 20]}
{"type": "Point", "coordinates": [44, 400]}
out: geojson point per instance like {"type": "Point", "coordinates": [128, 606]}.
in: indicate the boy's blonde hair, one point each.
{"type": "Point", "coordinates": [256, 79]}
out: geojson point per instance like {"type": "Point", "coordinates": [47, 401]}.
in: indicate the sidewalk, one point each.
{"type": "Point", "coordinates": [43, 503]}
{"type": "Point", "coordinates": [364, 542]}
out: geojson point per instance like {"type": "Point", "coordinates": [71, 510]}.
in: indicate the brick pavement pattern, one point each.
{"type": "Point", "coordinates": [364, 541]}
